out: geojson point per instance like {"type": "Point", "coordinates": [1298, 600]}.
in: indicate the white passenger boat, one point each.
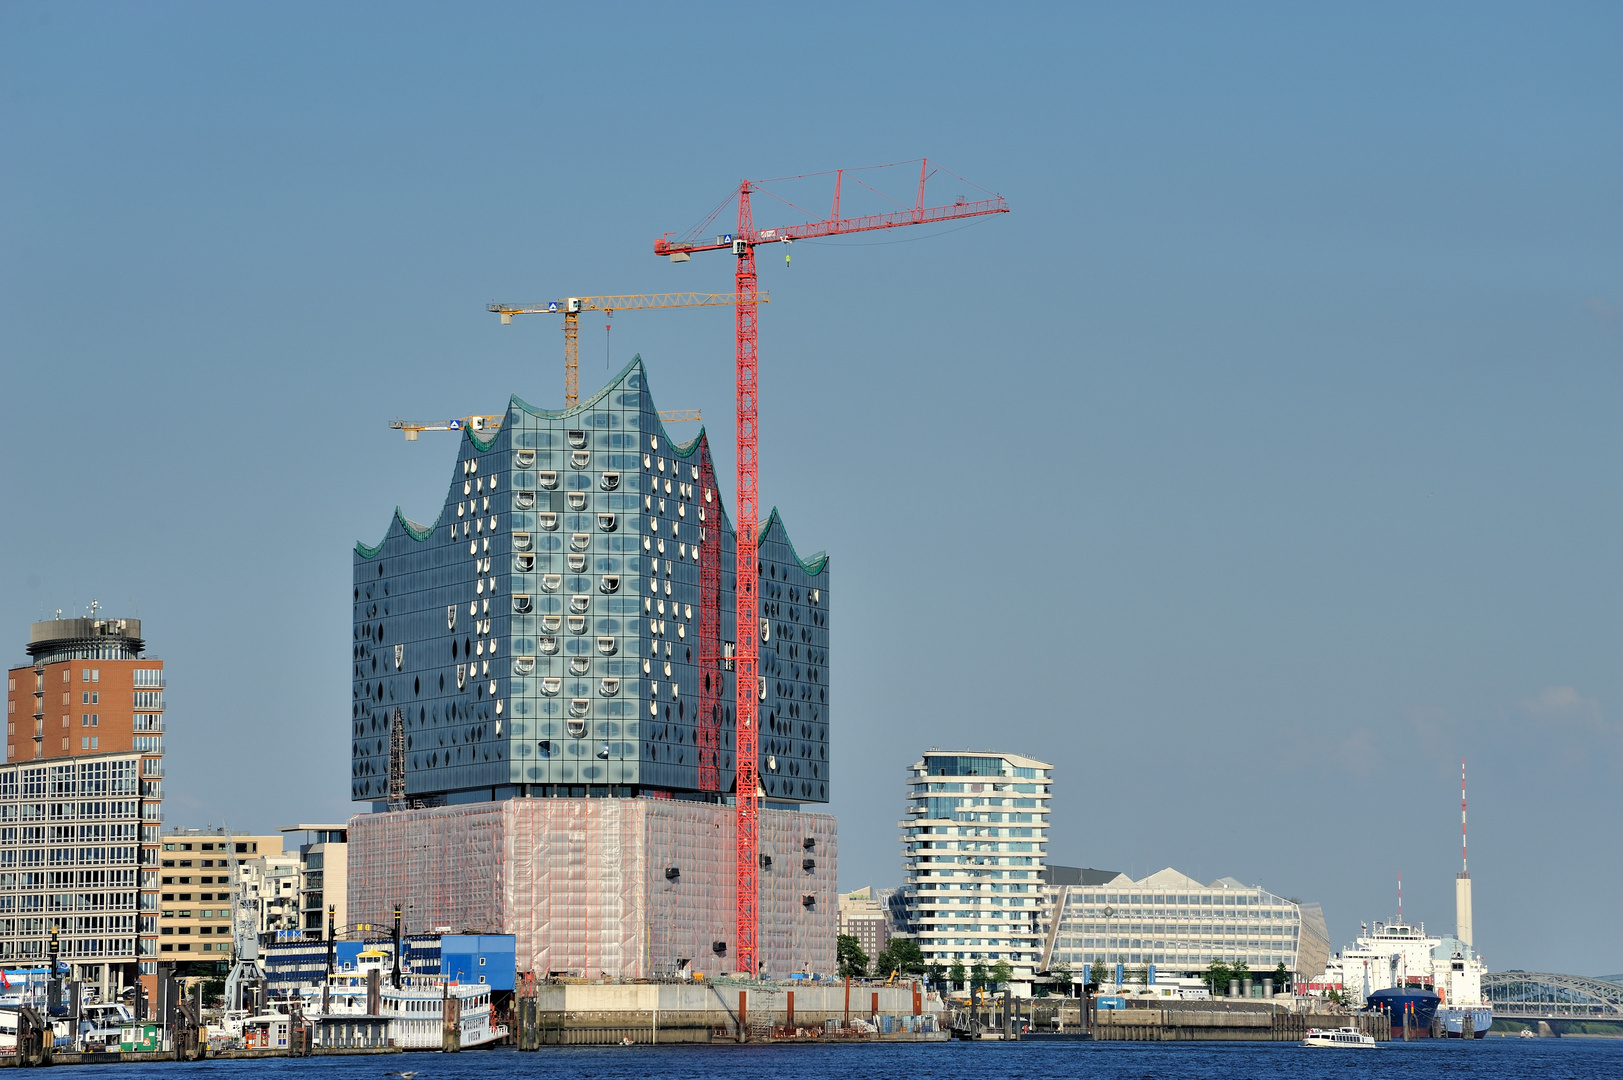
{"type": "Point", "coordinates": [416, 1009]}
{"type": "Point", "coordinates": [1347, 1036]}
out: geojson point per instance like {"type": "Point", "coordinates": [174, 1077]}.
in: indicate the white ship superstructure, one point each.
{"type": "Point", "coordinates": [417, 1010]}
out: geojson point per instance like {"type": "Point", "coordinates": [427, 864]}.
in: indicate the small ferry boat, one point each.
{"type": "Point", "coordinates": [417, 1009]}
{"type": "Point", "coordinates": [1347, 1036]}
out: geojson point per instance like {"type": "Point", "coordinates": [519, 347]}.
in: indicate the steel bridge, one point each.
{"type": "Point", "coordinates": [1542, 995]}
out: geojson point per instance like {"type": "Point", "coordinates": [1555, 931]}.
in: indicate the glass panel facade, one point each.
{"type": "Point", "coordinates": [589, 683]}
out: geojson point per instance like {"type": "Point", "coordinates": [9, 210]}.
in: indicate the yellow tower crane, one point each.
{"type": "Point", "coordinates": [571, 307]}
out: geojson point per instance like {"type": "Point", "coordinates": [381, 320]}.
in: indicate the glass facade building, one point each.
{"type": "Point", "coordinates": [1172, 921]}
{"type": "Point", "coordinates": [543, 637]}
{"type": "Point", "coordinates": [974, 845]}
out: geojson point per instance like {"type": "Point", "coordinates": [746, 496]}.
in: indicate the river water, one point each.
{"type": "Point", "coordinates": [1487, 1059]}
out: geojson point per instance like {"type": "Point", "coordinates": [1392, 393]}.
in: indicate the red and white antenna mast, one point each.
{"type": "Point", "coordinates": [1462, 883]}
{"type": "Point", "coordinates": [1465, 865]}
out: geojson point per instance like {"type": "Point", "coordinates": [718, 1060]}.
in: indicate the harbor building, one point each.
{"type": "Point", "coordinates": [89, 689]}
{"type": "Point", "coordinates": [562, 635]}
{"type": "Point", "coordinates": [974, 852]}
{"type": "Point", "coordinates": [1180, 926]}
{"type": "Point", "coordinates": [200, 873]}
{"type": "Point", "coordinates": [81, 798]}
{"type": "Point", "coordinates": [323, 864]}
{"type": "Point", "coordinates": [863, 916]}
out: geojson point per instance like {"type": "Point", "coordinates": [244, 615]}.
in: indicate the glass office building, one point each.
{"type": "Point", "coordinates": [974, 845]}
{"type": "Point", "coordinates": [1174, 922]}
{"type": "Point", "coordinates": [546, 636]}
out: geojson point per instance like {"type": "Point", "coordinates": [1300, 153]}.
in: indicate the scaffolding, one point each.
{"type": "Point", "coordinates": [595, 888]}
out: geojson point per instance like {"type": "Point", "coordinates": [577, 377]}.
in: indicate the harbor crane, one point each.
{"type": "Point", "coordinates": [747, 686]}
{"type": "Point", "coordinates": [570, 308]}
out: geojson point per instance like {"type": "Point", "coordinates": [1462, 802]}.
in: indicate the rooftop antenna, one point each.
{"type": "Point", "coordinates": [1463, 929]}
{"type": "Point", "coordinates": [1465, 866]}
{"type": "Point", "coordinates": [1400, 898]}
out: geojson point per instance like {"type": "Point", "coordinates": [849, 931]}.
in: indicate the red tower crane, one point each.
{"type": "Point", "coordinates": [746, 686]}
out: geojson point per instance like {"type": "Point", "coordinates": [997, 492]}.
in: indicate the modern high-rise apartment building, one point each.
{"type": "Point", "coordinates": [974, 846]}
{"type": "Point", "coordinates": [565, 627]}
{"type": "Point", "coordinates": [81, 802]}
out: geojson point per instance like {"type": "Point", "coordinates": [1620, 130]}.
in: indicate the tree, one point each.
{"type": "Point", "coordinates": [1217, 977]}
{"type": "Point", "coordinates": [935, 973]}
{"type": "Point", "coordinates": [977, 974]}
{"type": "Point", "coordinates": [956, 974]}
{"type": "Point", "coordinates": [1059, 978]}
{"type": "Point", "coordinates": [1001, 974]}
{"type": "Point", "coordinates": [903, 955]}
{"type": "Point", "coordinates": [1282, 978]}
{"type": "Point", "coordinates": [848, 954]}
{"type": "Point", "coordinates": [1240, 971]}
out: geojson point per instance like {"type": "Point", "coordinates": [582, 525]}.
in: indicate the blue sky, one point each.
{"type": "Point", "coordinates": [1262, 464]}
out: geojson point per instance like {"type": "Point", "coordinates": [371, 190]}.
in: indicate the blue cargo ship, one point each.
{"type": "Point", "coordinates": [1416, 1004]}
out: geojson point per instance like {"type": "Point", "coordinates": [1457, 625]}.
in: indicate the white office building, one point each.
{"type": "Point", "coordinates": [1174, 922]}
{"type": "Point", "coordinates": [974, 844]}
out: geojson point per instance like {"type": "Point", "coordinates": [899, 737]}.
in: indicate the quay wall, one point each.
{"type": "Point", "coordinates": [1187, 1024]}
{"type": "Point", "coordinates": [698, 1012]}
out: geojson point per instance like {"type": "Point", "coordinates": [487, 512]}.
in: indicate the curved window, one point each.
{"type": "Point", "coordinates": [609, 481]}
{"type": "Point", "coordinates": [580, 603]}
{"type": "Point", "coordinates": [577, 439]}
{"type": "Point", "coordinates": [524, 563]}
{"type": "Point", "coordinates": [579, 459]}
{"type": "Point", "coordinates": [547, 520]}
{"type": "Point", "coordinates": [524, 459]}
{"type": "Point", "coordinates": [608, 687]}
{"type": "Point", "coordinates": [521, 603]}
{"type": "Point", "coordinates": [577, 500]}
{"type": "Point", "coordinates": [580, 541]}
{"type": "Point", "coordinates": [547, 479]}
{"type": "Point", "coordinates": [607, 646]}
{"type": "Point", "coordinates": [607, 522]}
{"type": "Point", "coordinates": [580, 706]}
{"type": "Point", "coordinates": [551, 582]}
{"type": "Point", "coordinates": [577, 564]}
{"type": "Point", "coordinates": [579, 665]}
{"type": "Point", "coordinates": [577, 728]}
{"type": "Point", "coordinates": [524, 500]}
{"type": "Point", "coordinates": [577, 624]}
{"type": "Point", "coordinates": [450, 617]}
{"type": "Point", "coordinates": [461, 509]}
{"type": "Point", "coordinates": [548, 645]}
{"type": "Point", "coordinates": [551, 686]}
{"type": "Point", "coordinates": [608, 583]}
{"type": "Point", "coordinates": [523, 665]}
{"type": "Point", "coordinates": [521, 541]}
{"type": "Point", "coordinates": [550, 623]}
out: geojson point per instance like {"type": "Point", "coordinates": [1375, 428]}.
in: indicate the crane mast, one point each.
{"type": "Point", "coordinates": [747, 687]}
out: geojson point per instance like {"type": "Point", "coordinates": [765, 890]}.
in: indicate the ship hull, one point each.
{"type": "Point", "coordinates": [1411, 1011]}
{"type": "Point", "coordinates": [1465, 1021]}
